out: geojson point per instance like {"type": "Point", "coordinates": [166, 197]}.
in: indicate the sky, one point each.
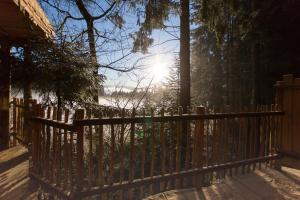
{"type": "Point", "coordinates": [152, 67]}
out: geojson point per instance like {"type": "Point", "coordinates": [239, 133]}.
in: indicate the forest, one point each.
{"type": "Point", "coordinates": [238, 49]}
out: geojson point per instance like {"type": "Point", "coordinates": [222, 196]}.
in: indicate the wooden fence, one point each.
{"type": "Point", "coordinates": [20, 113]}
{"type": "Point", "coordinates": [126, 156]}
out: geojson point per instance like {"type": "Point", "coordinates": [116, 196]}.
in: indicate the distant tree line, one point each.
{"type": "Point", "coordinates": [241, 47]}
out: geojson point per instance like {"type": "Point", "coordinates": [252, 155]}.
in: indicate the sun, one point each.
{"type": "Point", "coordinates": [159, 69]}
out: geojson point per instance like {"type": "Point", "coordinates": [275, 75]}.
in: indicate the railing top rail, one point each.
{"type": "Point", "coordinates": [166, 118]}
{"type": "Point", "coordinates": [54, 123]}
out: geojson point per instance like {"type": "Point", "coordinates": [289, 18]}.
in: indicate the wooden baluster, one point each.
{"type": "Point", "coordinates": [231, 142]}
{"type": "Point", "coordinates": [243, 141]}
{"type": "Point", "coordinates": [262, 134]}
{"type": "Point", "coordinates": [171, 149]}
{"type": "Point", "coordinates": [34, 144]}
{"type": "Point", "coordinates": [250, 128]}
{"type": "Point", "coordinates": [238, 138]}
{"type": "Point", "coordinates": [21, 120]}
{"type": "Point", "coordinates": [256, 135]}
{"type": "Point", "coordinates": [217, 139]}
{"type": "Point", "coordinates": [66, 157]}
{"type": "Point", "coordinates": [163, 151]}
{"type": "Point", "coordinates": [54, 147]}
{"type": "Point", "coordinates": [17, 120]}
{"type": "Point", "coordinates": [43, 144]}
{"type": "Point", "coordinates": [14, 121]}
{"type": "Point", "coordinates": [222, 151]}
{"type": "Point", "coordinates": [226, 139]}
{"type": "Point", "coordinates": [132, 155]}
{"type": "Point", "coordinates": [48, 138]}
{"type": "Point", "coordinates": [37, 140]}
{"type": "Point", "coordinates": [59, 149]}
{"type": "Point", "coordinates": [80, 151]}
{"type": "Point", "coordinates": [214, 139]}
{"type": "Point", "coordinates": [178, 147]}
{"type": "Point", "coordinates": [199, 144]}
{"type": "Point", "coordinates": [279, 128]}
{"type": "Point", "coordinates": [208, 147]}
{"type": "Point", "coordinates": [268, 134]}
{"type": "Point", "coordinates": [39, 137]}
{"type": "Point", "coordinates": [143, 148]}
{"type": "Point", "coordinates": [153, 151]}
{"type": "Point", "coordinates": [100, 155]}
{"type": "Point", "coordinates": [90, 150]}
{"type": "Point", "coordinates": [188, 143]}
{"type": "Point", "coordinates": [122, 151]}
{"type": "Point", "coordinates": [272, 131]}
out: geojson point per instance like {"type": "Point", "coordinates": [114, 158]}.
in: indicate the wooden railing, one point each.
{"type": "Point", "coordinates": [130, 157]}
{"type": "Point", "coordinates": [20, 113]}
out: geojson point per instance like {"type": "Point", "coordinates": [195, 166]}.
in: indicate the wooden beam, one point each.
{"type": "Point", "coordinates": [166, 118]}
{"type": "Point", "coordinates": [4, 95]}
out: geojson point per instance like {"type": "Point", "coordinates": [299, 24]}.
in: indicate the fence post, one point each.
{"type": "Point", "coordinates": [288, 97]}
{"type": "Point", "coordinates": [14, 121]}
{"type": "Point", "coordinates": [36, 111]}
{"type": "Point", "coordinates": [79, 114]}
{"type": "Point", "coordinates": [198, 146]}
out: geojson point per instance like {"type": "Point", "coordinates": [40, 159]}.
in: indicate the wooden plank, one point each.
{"type": "Point", "coordinates": [178, 146]}
{"type": "Point", "coordinates": [14, 121]}
{"type": "Point", "coordinates": [48, 138]}
{"type": "Point", "coordinates": [54, 148]}
{"type": "Point", "coordinates": [167, 118]}
{"type": "Point", "coordinates": [199, 145]}
{"type": "Point", "coordinates": [90, 150]}
{"type": "Point", "coordinates": [112, 152]}
{"type": "Point", "coordinates": [143, 151]}
{"type": "Point", "coordinates": [122, 148]}
{"type": "Point", "coordinates": [59, 150]}
{"type": "Point", "coordinates": [188, 143]}
{"type": "Point", "coordinates": [163, 151]}
{"type": "Point", "coordinates": [172, 150]}
{"type": "Point", "coordinates": [132, 154]}
{"type": "Point", "coordinates": [153, 150]}
{"type": "Point", "coordinates": [80, 151]}
{"type": "Point", "coordinates": [175, 175]}
{"type": "Point", "coordinates": [54, 123]}
{"type": "Point", "coordinates": [100, 155]}
{"type": "Point", "coordinates": [66, 155]}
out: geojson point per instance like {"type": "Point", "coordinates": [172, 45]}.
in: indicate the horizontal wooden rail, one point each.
{"type": "Point", "coordinates": [49, 186]}
{"type": "Point", "coordinates": [175, 175]}
{"type": "Point", "coordinates": [166, 118]}
{"type": "Point", "coordinates": [54, 123]}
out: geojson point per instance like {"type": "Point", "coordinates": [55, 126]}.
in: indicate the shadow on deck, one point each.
{"type": "Point", "coordinates": [264, 184]}
{"type": "Point", "coordinates": [14, 181]}
{"type": "Point", "coordinates": [261, 184]}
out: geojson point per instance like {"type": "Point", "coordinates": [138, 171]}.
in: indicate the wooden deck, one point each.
{"type": "Point", "coordinates": [14, 181]}
{"type": "Point", "coordinates": [264, 184]}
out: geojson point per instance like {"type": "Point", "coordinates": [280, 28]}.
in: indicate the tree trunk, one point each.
{"type": "Point", "coordinates": [185, 82]}
{"type": "Point", "coordinates": [4, 96]}
{"type": "Point", "coordinates": [91, 38]}
{"type": "Point", "coordinates": [27, 93]}
{"type": "Point", "coordinates": [88, 18]}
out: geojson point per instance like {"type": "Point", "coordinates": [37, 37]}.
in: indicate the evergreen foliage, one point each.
{"type": "Point", "coordinates": [57, 70]}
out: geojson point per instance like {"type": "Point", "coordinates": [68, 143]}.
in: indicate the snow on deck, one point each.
{"type": "Point", "coordinates": [264, 184]}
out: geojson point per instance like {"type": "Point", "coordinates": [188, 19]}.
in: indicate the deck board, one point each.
{"type": "Point", "coordinates": [264, 184]}
{"type": "Point", "coordinates": [14, 181]}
